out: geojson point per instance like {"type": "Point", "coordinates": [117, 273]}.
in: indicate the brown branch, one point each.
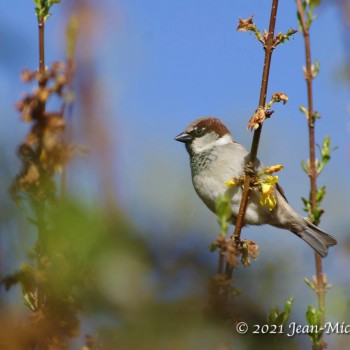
{"type": "Point", "coordinates": [269, 46]}
{"type": "Point", "coordinates": [312, 171]}
{"type": "Point", "coordinates": [40, 206]}
{"type": "Point", "coordinates": [41, 24]}
{"type": "Point", "coordinates": [221, 262]}
{"type": "Point", "coordinates": [311, 119]}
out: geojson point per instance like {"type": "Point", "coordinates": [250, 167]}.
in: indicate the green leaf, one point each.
{"type": "Point", "coordinates": [314, 318]}
{"type": "Point", "coordinates": [314, 3]}
{"type": "Point", "coordinates": [305, 201]}
{"type": "Point", "coordinates": [43, 7]}
{"type": "Point", "coordinates": [304, 110]}
{"type": "Point", "coordinates": [223, 206]}
{"type": "Point", "coordinates": [272, 315]}
{"type": "Point", "coordinates": [29, 301]}
{"type": "Point", "coordinates": [309, 18]}
{"type": "Point", "coordinates": [325, 151]}
{"type": "Point", "coordinates": [287, 310]}
{"type": "Point", "coordinates": [281, 38]}
{"type": "Point", "coordinates": [321, 192]}
{"type": "Point", "coordinates": [276, 317]}
{"type": "Point", "coordinates": [315, 68]}
{"type": "Point", "coordinates": [303, 165]}
{"type": "Point", "coordinates": [223, 211]}
{"type": "Point", "coordinates": [316, 115]}
{"type": "Point", "coordinates": [316, 217]}
{"type": "Point", "coordinates": [299, 20]}
{"type": "Point", "coordinates": [309, 283]}
{"type": "Point", "coordinates": [258, 34]}
{"type": "Point", "coordinates": [213, 247]}
{"type": "Point", "coordinates": [307, 205]}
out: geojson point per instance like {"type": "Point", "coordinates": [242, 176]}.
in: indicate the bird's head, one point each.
{"type": "Point", "coordinates": [203, 134]}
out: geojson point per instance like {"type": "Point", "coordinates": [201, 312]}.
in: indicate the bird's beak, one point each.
{"type": "Point", "coordinates": [184, 137]}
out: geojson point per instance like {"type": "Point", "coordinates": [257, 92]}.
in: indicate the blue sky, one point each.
{"type": "Point", "coordinates": [162, 65]}
{"type": "Point", "coordinates": [166, 63]}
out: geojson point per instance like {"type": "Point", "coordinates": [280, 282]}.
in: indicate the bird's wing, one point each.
{"type": "Point", "coordinates": [281, 192]}
{"type": "Point", "coordinates": [259, 166]}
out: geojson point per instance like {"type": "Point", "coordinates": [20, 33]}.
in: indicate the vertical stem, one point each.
{"type": "Point", "coordinates": [321, 290]}
{"type": "Point", "coordinates": [268, 47]}
{"type": "Point", "coordinates": [41, 23]}
{"type": "Point", "coordinates": [42, 79]}
{"type": "Point", "coordinates": [64, 183]}
{"type": "Point", "coordinates": [312, 171]}
{"type": "Point", "coordinates": [221, 263]}
{"type": "Point", "coordinates": [256, 138]}
{"type": "Point", "coordinates": [40, 206]}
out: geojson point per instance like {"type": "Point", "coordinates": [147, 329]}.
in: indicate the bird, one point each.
{"type": "Point", "coordinates": [215, 158]}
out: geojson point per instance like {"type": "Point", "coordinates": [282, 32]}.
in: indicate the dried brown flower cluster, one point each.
{"type": "Point", "coordinates": [280, 96]}
{"type": "Point", "coordinates": [44, 151]}
{"type": "Point", "coordinates": [233, 249]}
{"type": "Point", "coordinates": [246, 25]}
{"type": "Point", "coordinates": [262, 113]}
{"type": "Point", "coordinates": [257, 119]}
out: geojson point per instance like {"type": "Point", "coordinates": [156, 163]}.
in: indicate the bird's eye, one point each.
{"type": "Point", "coordinates": [199, 132]}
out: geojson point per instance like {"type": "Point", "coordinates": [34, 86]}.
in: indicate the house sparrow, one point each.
{"type": "Point", "coordinates": [216, 158]}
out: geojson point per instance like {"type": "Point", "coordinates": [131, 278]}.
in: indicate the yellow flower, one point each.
{"type": "Point", "coordinates": [273, 169]}
{"type": "Point", "coordinates": [267, 196]}
{"type": "Point", "coordinates": [235, 181]}
{"type": "Point", "coordinates": [230, 183]}
{"type": "Point", "coordinates": [268, 200]}
{"type": "Point", "coordinates": [267, 183]}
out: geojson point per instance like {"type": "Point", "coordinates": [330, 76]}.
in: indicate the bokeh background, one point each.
{"type": "Point", "coordinates": [151, 68]}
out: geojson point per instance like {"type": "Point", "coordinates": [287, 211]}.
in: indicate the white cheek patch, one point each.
{"type": "Point", "coordinates": [224, 140]}
{"type": "Point", "coordinates": [209, 141]}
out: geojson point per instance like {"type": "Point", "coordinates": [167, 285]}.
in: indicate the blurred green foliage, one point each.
{"type": "Point", "coordinates": [96, 265]}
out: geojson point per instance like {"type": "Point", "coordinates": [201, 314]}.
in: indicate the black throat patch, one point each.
{"type": "Point", "coordinates": [201, 161]}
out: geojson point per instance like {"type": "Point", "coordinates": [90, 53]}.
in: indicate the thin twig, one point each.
{"type": "Point", "coordinates": [221, 263]}
{"type": "Point", "coordinates": [268, 47]}
{"type": "Point", "coordinates": [40, 206]}
{"type": "Point", "coordinates": [312, 171]}
{"type": "Point", "coordinates": [41, 23]}
{"type": "Point", "coordinates": [256, 138]}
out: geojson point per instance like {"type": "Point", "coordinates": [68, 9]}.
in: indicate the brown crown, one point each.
{"type": "Point", "coordinates": [209, 123]}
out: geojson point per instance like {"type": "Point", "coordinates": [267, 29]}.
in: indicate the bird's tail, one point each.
{"type": "Point", "coordinates": [317, 239]}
